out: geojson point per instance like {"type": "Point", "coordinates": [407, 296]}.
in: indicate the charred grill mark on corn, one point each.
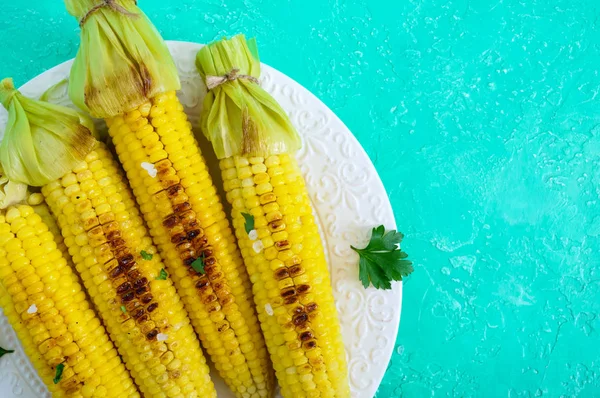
{"type": "Point", "coordinates": [105, 234]}
{"type": "Point", "coordinates": [49, 311]}
{"type": "Point", "coordinates": [187, 222]}
{"type": "Point", "coordinates": [289, 274]}
{"type": "Point", "coordinates": [131, 286]}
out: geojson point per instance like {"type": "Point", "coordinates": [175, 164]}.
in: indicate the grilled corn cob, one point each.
{"type": "Point", "coordinates": [255, 140]}
{"type": "Point", "coordinates": [43, 300]}
{"type": "Point", "coordinates": [174, 190]}
{"type": "Point", "coordinates": [187, 222]}
{"type": "Point", "coordinates": [105, 236]}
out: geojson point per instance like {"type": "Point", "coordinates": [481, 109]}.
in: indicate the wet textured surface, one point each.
{"type": "Point", "coordinates": [481, 118]}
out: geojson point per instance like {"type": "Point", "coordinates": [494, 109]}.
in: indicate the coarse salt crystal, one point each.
{"type": "Point", "coordinates": [253, 235]}
{"type": "Point", "coordinates": [161, 337]}
{"type": "Point", "coordinates": [150, 168]}
{"type": "Point", "coordinates": [178, 326]}
{"type": "Point", "coordinates": [258, 246]}
{"type": "Point", "coordinates": [32, 309]}
{"type": "Point", "coordinates": [269, 309]}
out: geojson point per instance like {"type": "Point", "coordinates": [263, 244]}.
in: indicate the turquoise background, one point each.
{"type": "Point", "coordinates": [482, 118]}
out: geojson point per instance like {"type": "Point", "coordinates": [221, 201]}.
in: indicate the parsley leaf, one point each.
{"type": "Point", "coordinates": [162, 276]}
{"type": "Point", "coordinates": [59, 371]}
{"type": "Point", "coordinates": [3, 352]}
{"type": "Point", "coordinates": [249, 218]}
{"type": "Point", "coordinates": [382, 261]}
{"type": "Point", "coordinates": [198, 265]}
{"type": "Point", "coordinates": [123, 309]}
{"type": "Point", "coordinates": [145, 255]}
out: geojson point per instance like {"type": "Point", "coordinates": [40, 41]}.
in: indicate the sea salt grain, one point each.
{"type": "Point", "coordinates": [32, 309]}
{"type": "Point", "coordinates": [178, 326]}
{"type": "Point", "coordinates": [253, 235]}
{"type": "Point", "coordinates": [258, 246]}
{"type": "Point", "coordinates": [162, 337]}
{"type": "Point", "coordinates": [269, 309]}
{"type": "Point", "coordinates": [149, 167]}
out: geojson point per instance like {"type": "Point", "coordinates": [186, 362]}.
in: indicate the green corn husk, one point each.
{"type": "Point", "coordinates": [239, 117]}
{"type": "Point", "coordinates": [11, 192]}
{"type": "Point", "coordinates": [122, 59]}
{"type": "Point", "coordinates": [54, 90]}
{"type": "Point", "coordinates": [42, 141]}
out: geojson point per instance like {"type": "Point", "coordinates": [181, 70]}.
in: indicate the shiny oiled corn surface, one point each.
{"type": "Point", "coordinates": [45, 304]}
{"type": "Point", "coordinates": [287, 267]}
{"type": "Point", "coordinates": [144, 316]}
{"type": "Point", "coordinates": [186, 219]}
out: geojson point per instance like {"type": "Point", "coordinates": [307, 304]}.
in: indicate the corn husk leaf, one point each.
{"type": "Point", "coordinates": [11, 192]}
{"type": "Point", "coordinates": [42, 141]}
{"type": "Point", "coordinates": [56, 94]}
{"type": "Point", "coordinates": [239, 117]}
{"type": "Point", "coordinates": [122, 60]}
{"type": "Point", "coordinates": [56, 91]}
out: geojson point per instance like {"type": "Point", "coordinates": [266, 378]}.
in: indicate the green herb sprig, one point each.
{"type": "Point", "coordinates": [198, 265]}
{"type": "Point", "coordinates": [5, 351]}
{"type": "Point", "coordinates": [162, 276]}
{"type": "Point", "coordinates": [382, 261]}
{"type": "Point", "coordinates": [249, 222]}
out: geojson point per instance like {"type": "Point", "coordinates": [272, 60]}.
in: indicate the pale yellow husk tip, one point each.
{"type": "Point", "coordinates": [11, 193]}
{"type": "Point", "coordinates": [42, 141]}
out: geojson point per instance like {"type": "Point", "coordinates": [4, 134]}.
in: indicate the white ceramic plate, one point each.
{"type": "Point", "coordinates": [349, 199]}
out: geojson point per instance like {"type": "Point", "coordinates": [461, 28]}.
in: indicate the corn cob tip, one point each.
{"type": "Point", "coordinates": [7, 83]}
{"type": "Point", "coordinates": [242, 54]}
{"type": "Point", "coordinates": [7, 91]}
{"type": "Point", "coordinates": [249, 122]}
